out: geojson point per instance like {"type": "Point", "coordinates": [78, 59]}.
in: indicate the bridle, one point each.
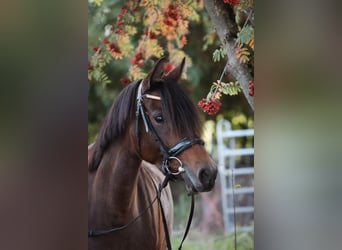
{"type": "Point", "coordinates": [168, 155]}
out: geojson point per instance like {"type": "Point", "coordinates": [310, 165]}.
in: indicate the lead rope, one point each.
{"type": "Point", "coordinates": [166, 230]}
{"type": "Point", "coordinates": [189, 220]}
{"type": "Point", "coordinates": [95, 233]}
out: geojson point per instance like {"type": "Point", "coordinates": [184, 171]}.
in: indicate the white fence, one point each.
{"type": "Point", "coordinates": [233, 189]}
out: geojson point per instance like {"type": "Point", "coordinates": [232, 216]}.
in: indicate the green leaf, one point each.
{"type": "Point", "coordinates": [96, 74]}
{"type": "Point", "coordinates": [97, 2]}
{"type": "Point", "coordinates": [100, 77]}
{"type": "Point", "coordinates": [245, 35]}
{"type": "Point", "coordinates": [218, 54]}
{"type": "Point", "coordinates": [223, 52]}
{"type": "Point", "coordinates": [232, 88]}
{"type": "Point", "coordinates": [208, 40]}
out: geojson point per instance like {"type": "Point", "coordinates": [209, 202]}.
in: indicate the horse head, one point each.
{"type": "Point", "coordinates": [168, 129]}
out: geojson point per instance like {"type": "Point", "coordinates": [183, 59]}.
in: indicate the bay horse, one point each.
{"type": "Point", "coordinates": [151, 129]}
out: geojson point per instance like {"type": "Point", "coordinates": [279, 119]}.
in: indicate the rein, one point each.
{"type": "Point", "coordinates": [95, 233]}
{"type": "Point", "coordinates": [169, 154]}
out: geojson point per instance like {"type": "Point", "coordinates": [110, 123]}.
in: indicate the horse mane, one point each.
{"type": "Point", "coordinates": [115, 123]}
{"type": "Point", "coordinates": [176, 107]}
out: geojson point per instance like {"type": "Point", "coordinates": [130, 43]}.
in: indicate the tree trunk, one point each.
{"type": "Point", "coordinates": [222, 16]}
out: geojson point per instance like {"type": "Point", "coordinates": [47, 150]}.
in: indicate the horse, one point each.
{"type": "Point", "coordinates": [151, 131]}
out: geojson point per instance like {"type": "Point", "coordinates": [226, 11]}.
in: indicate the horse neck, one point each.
{"type": "Point", "coordinates": [114, 185]}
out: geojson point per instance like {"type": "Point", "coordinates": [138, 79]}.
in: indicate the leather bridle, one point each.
{"type": "Point", "coordinates": [168, 155]}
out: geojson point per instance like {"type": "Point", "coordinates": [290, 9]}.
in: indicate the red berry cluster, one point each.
{"type": "Point", "coordinates": [171, 15]}
{"type": "Point", "coordinates": [120, 21]}
{"type": "Point", "coordinates": [97, 50]}
{"type": "Point", "coordinates": [232, 2]}
{"type": "Point", "coordinates": [168, 22]}
{"type": "Point", "coordinates": [211, 106]}
{"type": "Point", "coordinates": [168, 67]}
{"type": "Point", "coordinates": [113, 48]}
{"type": "Point", "coordinates": [151, 35]}
{"type": "Point", "coordinates": [138, 59]}
{"type": "Point", "coordinates": [172, 12]}
{"type": "Point", "coordinates": [125, 81]}
{"type": "Point", "coordinates": [90, 67]}
{"type": "Point", "coordinates": [251, 88]}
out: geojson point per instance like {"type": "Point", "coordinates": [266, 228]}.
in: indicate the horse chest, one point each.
{"type": "Point", "coordinates": [145, 233]}
{"type": "Point", "coordinates": [140, 236]}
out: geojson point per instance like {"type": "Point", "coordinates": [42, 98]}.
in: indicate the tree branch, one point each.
{"type": "Point", "coordinates": [222, 16]}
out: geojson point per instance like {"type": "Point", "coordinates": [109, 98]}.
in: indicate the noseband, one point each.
{"type": "Point", "coordinates": [169, 154]}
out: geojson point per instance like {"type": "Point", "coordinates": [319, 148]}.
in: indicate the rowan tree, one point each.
{"type": "Point", "coordinates": [136, 32]}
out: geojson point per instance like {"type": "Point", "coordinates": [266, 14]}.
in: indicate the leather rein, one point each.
{"type": "Point", "coordinates": [169, 154]}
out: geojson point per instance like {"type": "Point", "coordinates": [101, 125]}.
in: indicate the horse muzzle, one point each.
{"type": "Point", "coordinates": [203, 180]}
{"type": "Point", "coordinates": [200, 172]}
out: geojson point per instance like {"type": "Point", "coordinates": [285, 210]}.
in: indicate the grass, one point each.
{"type": "Point", "coordinates": [245, 241]}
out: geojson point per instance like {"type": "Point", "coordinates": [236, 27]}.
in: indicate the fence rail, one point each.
{"type": "Point", "coordinates": [227, 154]}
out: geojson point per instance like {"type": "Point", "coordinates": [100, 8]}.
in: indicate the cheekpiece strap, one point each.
{"type": "Point", "coordinates": [140, 107]}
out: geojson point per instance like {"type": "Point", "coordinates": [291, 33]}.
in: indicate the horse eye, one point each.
{"type": "Point", "coordinates": [159, 118]}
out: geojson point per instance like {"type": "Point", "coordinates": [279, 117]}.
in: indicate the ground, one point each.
{"type": "Point", "coordinates": [198, 241]}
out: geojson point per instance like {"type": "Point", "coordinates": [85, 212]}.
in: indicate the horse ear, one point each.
{"type": "Point", "coordinates": [176, 73]}
{"type": "Point", "coordinates": [155, 74]}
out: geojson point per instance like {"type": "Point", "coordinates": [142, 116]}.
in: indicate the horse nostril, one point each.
{"type": "Point", "coordinates": [205, 176]}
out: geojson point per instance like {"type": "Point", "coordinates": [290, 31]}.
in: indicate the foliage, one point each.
{"type": "Point", "coordinates": [147, 29]}
{"type": "Point", "coordinates": [211, 104]}
{"type": "Point", "coordinates": [244, 51]}
{"type": "Point", "coordinates": [125, 38]}
{"type": "Point", "coordinates": [245, 34]}
{"type": "Point", "coordinates": [245, 241]}
{"type": "Point", "coordinates": [242, 54]}
{"type": "Point", "coordinates": [218, 54]}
